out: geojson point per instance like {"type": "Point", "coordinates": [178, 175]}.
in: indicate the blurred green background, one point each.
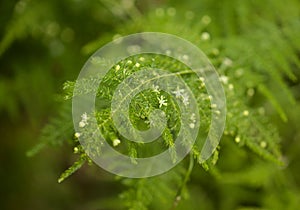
{"type": "Point", "coordinates": [44, 43]}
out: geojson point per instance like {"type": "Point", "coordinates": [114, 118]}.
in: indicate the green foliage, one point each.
{"type": "Point", "coordinates": [77, 165]}
{"type": "Point", "coordinates": [57, 131]}
{"type": "Point", "coordinates": [254, 45]}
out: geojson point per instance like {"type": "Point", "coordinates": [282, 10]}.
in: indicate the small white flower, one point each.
{"type": "Point", "coordinates": [185, 99]}
{"type": "Point", "coordinates": [223, 79]}
{"type": "Point", "coordinates": [217, 112]}
{"type": "Point", "coordinates": [237, 139]}
{"type": "Point", "coordinates": [178, 92]}
{"type": "Point", "coordinates": [230, 86]}
{"type": "Point", "coordinates": [137, 65]}
{"type": "Point", "coordinates": [162, 101]}
{"type": "Point", "coordinates": [77, 135]}
{"type": "Point", "coordinates": [246, 113]}
{"type": "Point", "coordinates": [82, 124]}
{"type": "Point", "coordinates": [84, 117]}
{"type": "Point", "coordinates": [76, 150]}
{"type": "Point", "coordinates": [227, 62]}
{"type": "Point", "coordinates": [116, 142]}
{"type": "Point", "coordinates": [142, 59]}
{"type": "Point", "coordinates": [263, 144]}
{"type": "Point", "coordinates": [192, 125]}
{"type": "Point", "coordinates": [213, 106]}
{"type": "Point", "coordinates": [205, 36]}
{"type": "Point", "coordinates": [185, 57]}
{"type": "Point", "coordinates": [118, 67]}
{"type": "Point", "coordinates": [129, 62]}
{"type": "Point", "coordinates": [155, 89]}
{"type": "Point", "coordinates": [201, 79]}
{"type": "Point", "coordinates": [193, 117]}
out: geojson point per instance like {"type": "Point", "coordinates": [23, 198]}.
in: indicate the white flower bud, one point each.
{"type": "Point", "coordinates": [77, 135]}
{"type": "Point", "coordinates": [82, 124]}
{"type": "Point", "coordinates": [116, 142]}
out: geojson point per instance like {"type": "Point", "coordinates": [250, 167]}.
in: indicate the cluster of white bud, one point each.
{"type": "Point", "coordinates": [193, 121]}
{"type": "Point", "coordinates": [84, 119]}
{"type": "Point", "coordinates": [116, 142]}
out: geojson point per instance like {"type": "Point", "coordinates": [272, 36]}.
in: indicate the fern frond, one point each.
{"type": "Point", "coordinates": [76, 165]}
{"type": "Point", "coordinates": [24, 23]}
{"type": "Point", "coordinates": [57, 131]}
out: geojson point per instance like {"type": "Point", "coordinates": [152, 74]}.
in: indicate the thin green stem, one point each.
{"type": "Point", "coordinates": [184, 182]}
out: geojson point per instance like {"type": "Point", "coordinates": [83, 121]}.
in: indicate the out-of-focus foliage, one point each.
{"type": "Point", "coordinates": [255, 45]}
